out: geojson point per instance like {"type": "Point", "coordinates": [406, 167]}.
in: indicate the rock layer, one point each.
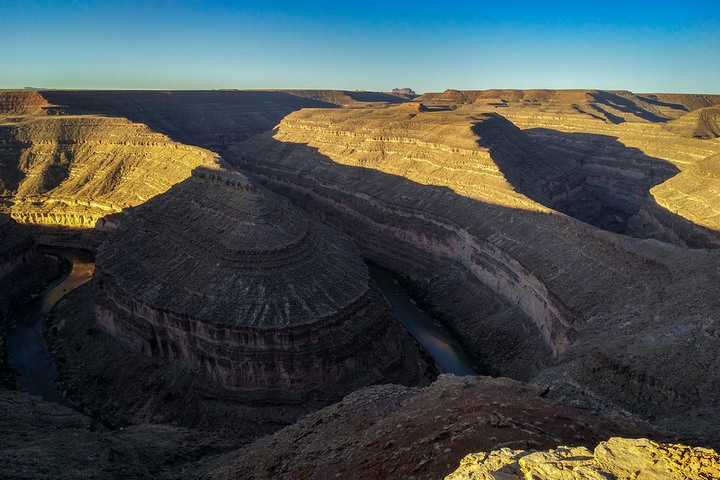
{"type": "Point", "coordinates": [73, 171]}
{"type": "Point", "coordinates": [421, 194]}
{"type": "Point", "coordinates": [247, 290]}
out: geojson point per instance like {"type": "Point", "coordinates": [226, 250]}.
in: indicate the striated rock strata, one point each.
{"type": "Point", "coordinates": [422, 194]}
{"type": "Point", "coordinates": [73, 171]}
{"type": "Point", "coordinates": [247, 291]}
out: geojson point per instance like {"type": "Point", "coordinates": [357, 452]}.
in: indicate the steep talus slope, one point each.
{"type": "Point", "coordinates": [419, 194]}
{"type": "Point", "coordinates": [72, 171]}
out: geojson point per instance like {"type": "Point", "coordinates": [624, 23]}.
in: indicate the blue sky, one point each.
{"type": "Point", "coordinates": [641, 46]}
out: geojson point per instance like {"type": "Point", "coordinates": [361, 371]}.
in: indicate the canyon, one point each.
{"type": "Point", "coordinates": [565, 238]}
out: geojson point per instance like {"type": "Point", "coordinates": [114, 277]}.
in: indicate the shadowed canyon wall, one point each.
{"type": "Point", "coordinates": [198, 265]}
{"type": "Point", "coordinates": [420, 194]}
{"type": "Point", "coordinates": [210, 119]}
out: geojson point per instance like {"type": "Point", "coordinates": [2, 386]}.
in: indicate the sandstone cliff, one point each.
{"type": "Point", "coordinates": [22, 102]}
{"type": "Point", "coordinates": [73, 171]}
{"type": "Point", "coordinates": [615, 458]}
{"type": "Point", "coordinates": [420, 193]}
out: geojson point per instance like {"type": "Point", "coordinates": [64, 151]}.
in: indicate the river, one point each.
{"type": "Point", "coordinates": [27, 349]}
{"type": "Point", "coordinates": [433, 336]}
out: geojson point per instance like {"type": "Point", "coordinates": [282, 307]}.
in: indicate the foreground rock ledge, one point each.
{"type": "Point", "coordinates": [615, 458]}
{"type": "Point", "coordinates": [389, 431]}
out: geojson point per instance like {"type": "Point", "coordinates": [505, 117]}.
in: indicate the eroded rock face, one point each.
{"type": "Point", "coordinates": [247, 290]}
{"type": "Point", "coordinates": [22, 102]}
{"type": "Point", "coordinates": [73, 171]}
{"type": "Point", "coordinates": [421, 194]}
{"type": "Point", "coordinates": [618, 457]}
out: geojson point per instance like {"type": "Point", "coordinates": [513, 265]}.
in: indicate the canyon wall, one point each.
{"type": "Point", "coordinates": [656, 184]}
{"type": "Point", "coordinates": [420, 193]}
{"type": "Point", "coordinates": [210, 119]}
{"type": "Point", "coordinates": [73, 171]}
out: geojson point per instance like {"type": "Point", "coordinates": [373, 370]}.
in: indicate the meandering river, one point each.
{"type": "Point", "coordinates": [433, 336]}
{"type": "Point", "coordinates": [28, 353]}
{"type": "Point", "coordinates": [27, 349]}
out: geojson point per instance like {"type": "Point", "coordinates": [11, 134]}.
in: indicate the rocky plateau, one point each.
{"type": "Point", "coordinates": [570, 240]}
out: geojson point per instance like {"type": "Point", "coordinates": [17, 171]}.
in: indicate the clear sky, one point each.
{"type": "Point", "coordinates": [643, 46]}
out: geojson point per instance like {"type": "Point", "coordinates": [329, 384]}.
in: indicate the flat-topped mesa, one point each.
{"type": "Point", "coordinates": [22, 102]}
{"type": "Point", "coordinates": [73, 171]}
{"type": "Point", "coordinates": [247, 290]}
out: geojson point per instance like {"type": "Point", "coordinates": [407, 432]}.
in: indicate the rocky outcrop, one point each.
{"type": "Point", "coordinates": [247, 291]}
{"type": "Point", "coordinates": [389, 431]}
{"type": "Point", "coordinates": [412, 107]}
{"type": "Point", "coordinates": [615, 458]}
